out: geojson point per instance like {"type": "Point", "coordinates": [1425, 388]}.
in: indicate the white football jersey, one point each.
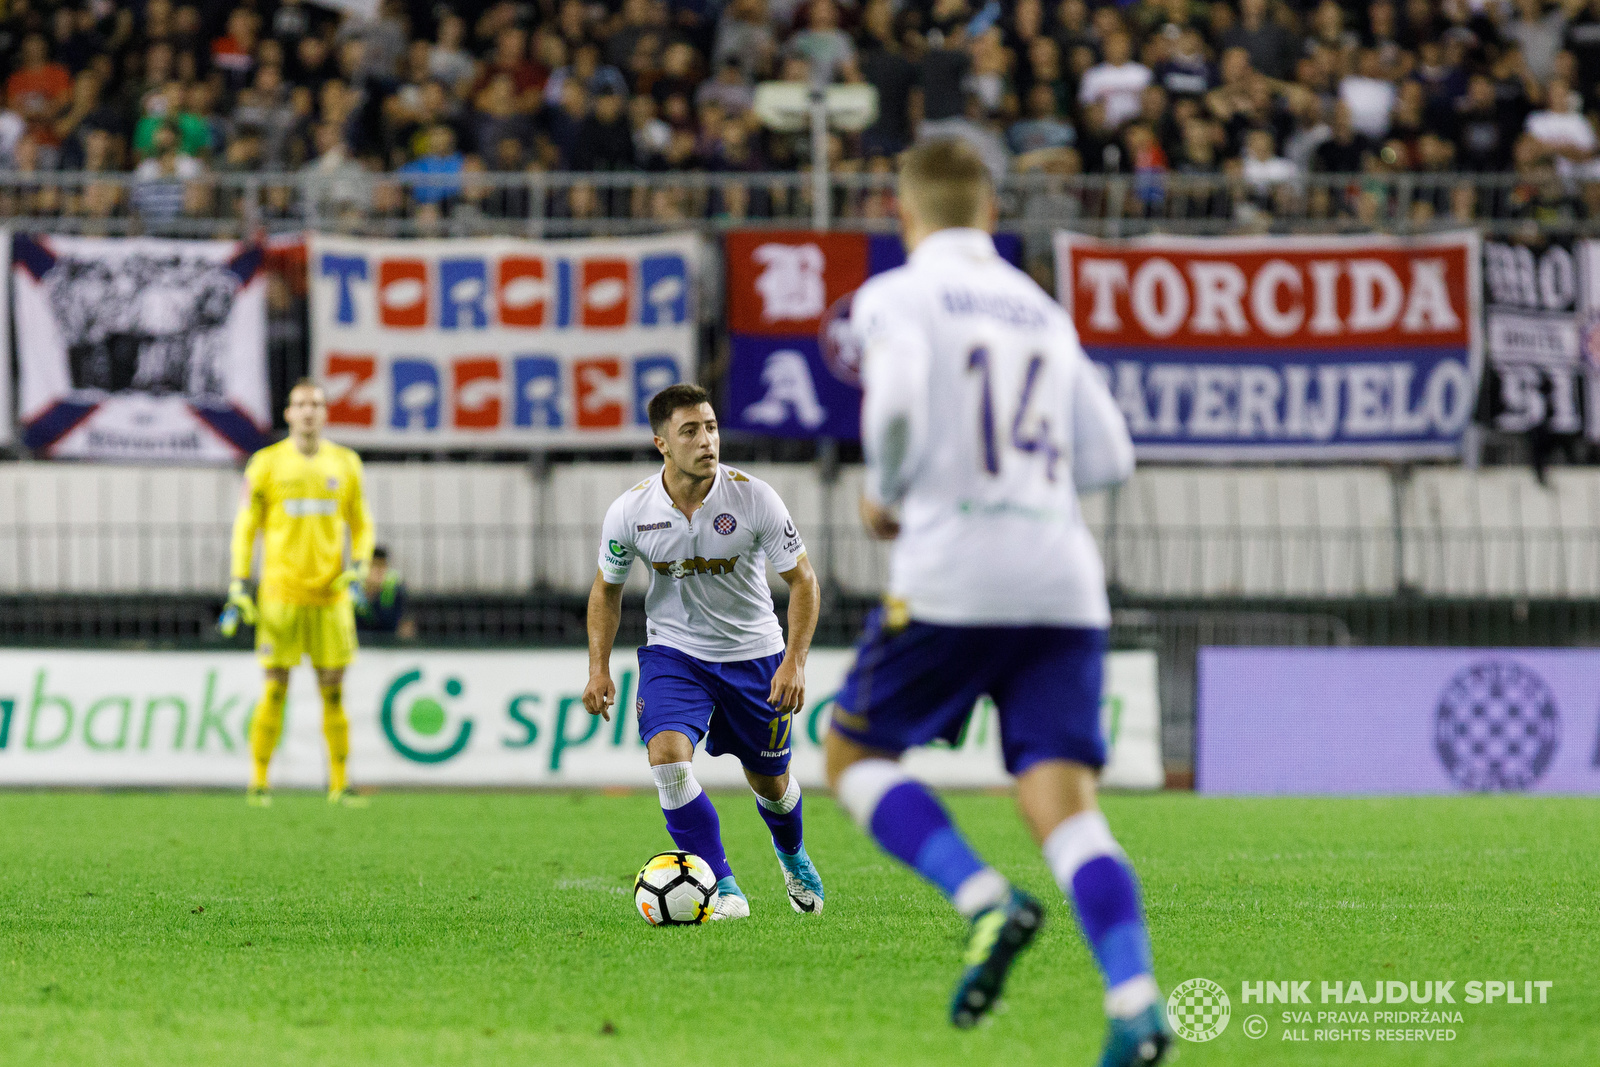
{"type": "Point", "coordinates": [982, 420]}
{"type": "Point", "coordinates": [708, 575]}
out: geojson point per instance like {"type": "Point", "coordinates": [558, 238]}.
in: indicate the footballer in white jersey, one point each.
{"type": "Point", "coordinates": [982, 421]}
{"type": "Point", "coordinates": [716, 664]}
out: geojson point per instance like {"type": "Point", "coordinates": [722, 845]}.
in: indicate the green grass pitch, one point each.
{"type": "Point", "coordinates": [498, 929]}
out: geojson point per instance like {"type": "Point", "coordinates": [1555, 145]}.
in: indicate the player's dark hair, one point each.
{"type": "Point", "coordinates": [308, 382]}
{"type": "Point", "coordinates": [946, 183]}
{"type": "Point", "coordinates": [380, 554]}
{"type": "Point", "coordinates": [670, 399]}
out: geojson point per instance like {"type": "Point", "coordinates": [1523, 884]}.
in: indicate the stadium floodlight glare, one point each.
{"type": "Point", "coordinates": [789, 107]}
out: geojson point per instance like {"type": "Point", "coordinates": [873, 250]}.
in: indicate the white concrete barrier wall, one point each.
{"type": "Point", "coordinates": [1173, 531]}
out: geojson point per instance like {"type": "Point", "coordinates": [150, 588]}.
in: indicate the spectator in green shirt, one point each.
{"type": "Point", "coordinates": [171, 103]}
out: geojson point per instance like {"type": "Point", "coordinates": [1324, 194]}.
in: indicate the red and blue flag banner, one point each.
{"type": "Point", "coordinates": [500, 342]}
{"type": "Point", "coordinates": [1272, 348]}
{"type": "Point", "coordinates": [141, 349]}
{"type": "Point", "coordinates": [785, 288]}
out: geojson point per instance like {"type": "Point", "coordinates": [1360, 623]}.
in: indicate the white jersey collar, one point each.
{"type": "Point", "coordinates": [666, 497]}
{"type": "Point", "coordinates": [964, 241]}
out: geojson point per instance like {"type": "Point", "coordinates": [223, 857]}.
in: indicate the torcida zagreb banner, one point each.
{"type": "Point", "coordinates": [500, 342]}
{"type": "Point", "coordinates": [1267, 348]}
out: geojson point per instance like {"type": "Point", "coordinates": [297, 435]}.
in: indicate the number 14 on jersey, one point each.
{"type": "Point", "coordinates": [1029, 431]}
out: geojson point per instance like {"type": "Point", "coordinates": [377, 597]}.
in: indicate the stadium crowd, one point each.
{"type": "Point", "coordinates": [1208, 107]}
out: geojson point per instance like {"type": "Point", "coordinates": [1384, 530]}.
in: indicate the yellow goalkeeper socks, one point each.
{"type": "Point", "coordinates": [265, 728]}
{"type": "Point", "coordinates": [336, 728]}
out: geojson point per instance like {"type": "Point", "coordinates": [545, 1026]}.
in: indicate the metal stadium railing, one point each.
{"type": "Point", "coordinates": [568, 204]}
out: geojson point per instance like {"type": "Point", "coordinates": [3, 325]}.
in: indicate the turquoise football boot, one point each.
{"type": "Point", "coordinates": [998, 936]}
{"type": "Point", "coordinates": [1139, 1041]}
{"type": "Point", "coordinates": [802, 881]}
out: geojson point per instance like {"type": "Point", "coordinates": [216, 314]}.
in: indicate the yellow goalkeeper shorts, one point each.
{"type": "Point", "coordinates": [287, 632]}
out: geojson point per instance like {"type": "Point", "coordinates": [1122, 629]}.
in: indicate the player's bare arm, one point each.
{"type": "Point", "coordinates": [605, 615]}
{"type": "Point", "coordinates": [880, 520]}
{"type": "Point", "coordinates": [805, 602]}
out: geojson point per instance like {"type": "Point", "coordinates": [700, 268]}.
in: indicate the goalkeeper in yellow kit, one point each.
{"type": "Point", "coordinates": [303, 493]}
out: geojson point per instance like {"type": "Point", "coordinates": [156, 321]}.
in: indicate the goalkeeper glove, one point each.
{"type": "Point", "coordinates": [354, 578]}
{"type": "Point", "coordinates": [240, 608]}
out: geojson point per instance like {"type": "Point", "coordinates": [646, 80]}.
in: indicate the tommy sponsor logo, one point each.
{"type": "Point", "coordinates": [646, 527]}
{"type": "Point", "coordinates": [682, 568]}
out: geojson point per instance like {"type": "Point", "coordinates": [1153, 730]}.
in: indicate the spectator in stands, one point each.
{"type": "Point", "coordinates": [1116, 82]}
{"type": "Point", "coordinates": [1368, 94]}
{"type": "Point", "coordinates": [1483, 139]}
{"type": "Point", "coordinates": [605, 141]}
{"type": "Point", "coordinates": [1538, 31]}
{"type": "Point", "coordinates": [1044, 129]}
{"type": "Point", "coordinates": [1270, 46]}
{"type": "Point", "coordinates": [436, 174]}
{"type": "Point", "coordinates": [825, 48]}
{"type": "Point", "coordinates": [1560, 131]}
{"type": "Point", "coordinates": [1582, 39]}
{"type": "Point", "coordinates": [40, 90]}
{"type": "Point", "coordinates": [1185, 71]}
{"type": "Point", "coordinates": [382, 606]}
{"type": "Point", "coordinates": [1264, 170]}
{"type": "Point", "coordinates": [234, 53]}
{"type": "Point", "coordinates": [744, 34]}
{"type": "Point", "coordinates": [1346, 151]}
{"type": "Point", "coordinates": [341, 181]}
{"type": "Point", "coordinates": [158, 193]}
{"type": "Point", "coordinates": [662, 85]}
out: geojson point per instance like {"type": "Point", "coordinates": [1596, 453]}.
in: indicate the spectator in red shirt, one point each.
{"type": "Point", "coordinates": [235, 53]}
{"type": "Point", "coordinates": [40, 90]}
{"type": "Point", "coordinates": [511, 57]}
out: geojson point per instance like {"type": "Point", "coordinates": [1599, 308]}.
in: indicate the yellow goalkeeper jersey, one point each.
{"type": "Point", "coordinates": [304, 505]}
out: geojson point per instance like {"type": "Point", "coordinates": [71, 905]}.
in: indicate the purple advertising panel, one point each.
{"type": "Point", "coordinates": [1398, 720]}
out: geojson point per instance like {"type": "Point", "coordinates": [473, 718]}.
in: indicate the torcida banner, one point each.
{"type": "Point", "coordinates": [500, 342]}
{"type": "Point", "coordinates": [1274, 348]}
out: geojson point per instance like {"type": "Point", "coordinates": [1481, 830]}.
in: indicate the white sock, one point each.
{"type": "Point", "coordinates": [1084, 837]}
{"type": "Point", "coordinates": [675, 782]}
{"type": "Point", "coordinates": [863, 784]}
{"type": "Point", "coordinates": [982, 889]}
{"type": "Point", "coordinates": [1131, 997]}
{"type": "Point", "coordinates": [1076, 841]}
{"type": "Point", "coordinates": [784, 804]}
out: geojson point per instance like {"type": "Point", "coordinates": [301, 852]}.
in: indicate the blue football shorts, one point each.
{"type": "Point", "coordinates": [725, 703]}
{"type": "Point", "coordinates": [918, 682]}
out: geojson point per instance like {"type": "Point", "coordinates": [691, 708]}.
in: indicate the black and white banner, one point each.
{"type": "Point", "coordinates": [141, 349]}
{"type": "Point", "coordinates": [1542, 336]}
